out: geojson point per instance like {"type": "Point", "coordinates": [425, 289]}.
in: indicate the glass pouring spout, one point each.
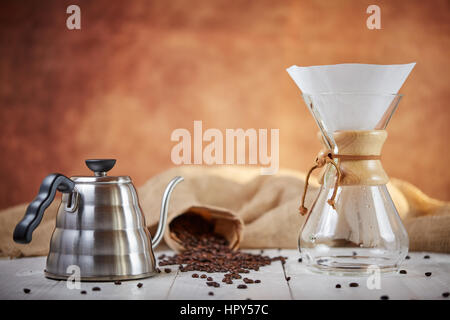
{"type": "Point", "coordinates": [353, 225]}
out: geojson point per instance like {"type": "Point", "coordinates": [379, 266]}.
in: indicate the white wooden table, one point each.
{"type": "Point", "coordinates": [15, 275]}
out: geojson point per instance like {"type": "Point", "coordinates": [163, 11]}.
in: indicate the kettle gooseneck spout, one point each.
{"type": "Point", "coordinates": [164, 209]}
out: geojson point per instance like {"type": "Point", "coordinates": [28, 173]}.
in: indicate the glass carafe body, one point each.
{"type": "Point", "coordinates": [363, 230]}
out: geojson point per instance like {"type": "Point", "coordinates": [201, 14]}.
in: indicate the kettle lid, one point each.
{"type": "Point", "coordinates": [100, 167]}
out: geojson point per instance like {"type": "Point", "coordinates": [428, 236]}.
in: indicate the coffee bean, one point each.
{"type": "Point", "coordinates": [257, 281]}
{"type": "Point", "coordinates": [211, 293]}
{"type": "Point", "coordinates": [428, 274]}
{"type": "Point", "coordinates": [446, 294]}
{"type": "Point", "coordinates": [162, 256]}
{"type": "Point", "coordinates": [194, 275]}
{"type": "Point", "coordinates": [354, 284]}
{"type": "Point", "coordinates": [83, 292]}
{"type": "Point", "coordinates": [139, 285]}
{"type": "Point", "coordinates": [209, 252]}
{"type": "Point", "coordinates": [242, 286]}
{"type": "Point", "coordinates": [26, 290]}
{"type": "Point", "coordinates": [117, 282]}
{"type": "Point", "coordinates": [426, 257]}
{"type": "Point", "coordinates": [247, 280]}
{"type": "Point", "coordinates": [212, 284]}
{"type": "Point", "coordinates": [338, 286]}
{"type": "Point", "coordinates": [167, 270]}
{"type": "Point", "coordinates": [96, 289]}
{"type": "Point", "coordinates": [385, 297]}
{"type": "Point", "coordinates": [402, 272]}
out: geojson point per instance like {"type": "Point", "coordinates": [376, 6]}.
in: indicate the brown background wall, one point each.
{"type": "Point", "coordinates": [140, 69]}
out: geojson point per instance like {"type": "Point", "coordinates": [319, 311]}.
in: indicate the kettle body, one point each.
{"type": "Point", "coordinates": [100, 232]}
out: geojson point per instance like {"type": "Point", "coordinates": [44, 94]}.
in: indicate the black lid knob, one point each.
{"type": "Point", "coordinates": [100, 166]}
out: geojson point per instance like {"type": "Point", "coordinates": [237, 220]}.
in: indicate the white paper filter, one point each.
{"type": "Point", "coordinates": [357, 95]}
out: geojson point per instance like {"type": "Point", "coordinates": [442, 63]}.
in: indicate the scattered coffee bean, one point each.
{"type": "Point", "coordinates": [288, 278]}
{"type": "Point", "coordinates": [407, 257]}
{"type": "Point", "coordinates": [211, 293]}
{"type": "Point", "coordinates": [353, 284]}
{"type": "Point", "coordinates": [402, 272]}
{"type": "Point", "coordinates": [385, 297]}
{"type": "Point", "coordinates": [446, 294]}
{"type": "Point", "coordinates": [117, 282]}
{"type": "Point", "coordinates": [300, 260]}
{"type": "Point", "coordinates": [338, 286]}
{"type": "Point", "coordinates": [96, 289]}
{"type": "Point", "coordinates": [428, 274]}
{"type": "Point", "coordinates": [194, 275]}
{"type": "Point", "coordinates": [212, 284]}
{"type": "Point", "coordinates": [242, 286]}
{"type": "Point", "coordinates": [247, 280]}
{"type": "Point", "coordinates": [139, 285]}
{"type": "Point", "coordinates": [167, 270]}
{"type": "Point", "coordinates": [208, 252]}
{"type": "Point", "coordinates": [257, 281]}
{"type": "Point", "coordinates": [426, 257]}
{"type": "Point", "coordinates": [209, 279]}
{"type": "Point", "coordinates": [83, 292]}
{"type": "Point", "coordinates": [26, 290]}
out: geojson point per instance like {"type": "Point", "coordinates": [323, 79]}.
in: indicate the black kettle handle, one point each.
{"type": "Point", "coordinates": [35, 211]}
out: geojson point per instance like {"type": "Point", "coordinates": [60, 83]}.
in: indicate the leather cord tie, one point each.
{"type": "Point", "coordinates": [322, 159]}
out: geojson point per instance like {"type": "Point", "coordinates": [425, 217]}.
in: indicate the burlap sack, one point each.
{"type": "Point", "coordinates": [250, 210]}
{"type": "Point", "coordinates": [194, 195]}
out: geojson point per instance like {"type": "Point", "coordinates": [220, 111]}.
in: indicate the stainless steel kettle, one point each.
{"type": "Point", "coordinates": [100, 227]}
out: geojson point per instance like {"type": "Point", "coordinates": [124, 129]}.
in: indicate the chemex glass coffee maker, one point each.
{"type": "Point", "coordinates": [353, 225]}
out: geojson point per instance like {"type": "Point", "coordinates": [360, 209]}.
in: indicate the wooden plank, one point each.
{"type": "Point", "coordinates": [422, 286]}
{"type": "Point", "coordinates": [306, 284]}
{"type": "Point", "coordinates": [273, 285]}
{"type": "Point", "coordinates": [28, 273]}
{"type": "Point", "coordinates": [17, 274]}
